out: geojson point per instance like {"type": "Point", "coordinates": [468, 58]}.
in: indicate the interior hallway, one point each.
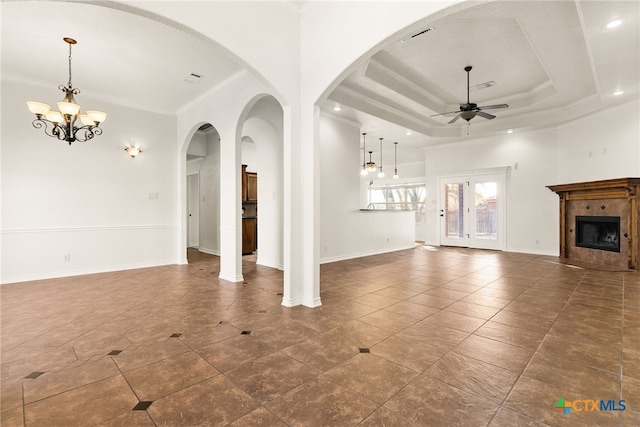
{"type": "Point", "coordinates": [428, 336]}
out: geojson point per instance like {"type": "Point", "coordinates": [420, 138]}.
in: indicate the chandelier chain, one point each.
{"type": "Point", "coordinates": [69, 64]}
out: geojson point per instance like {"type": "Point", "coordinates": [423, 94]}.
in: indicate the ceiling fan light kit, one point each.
{"type": "Point", "coordinates": [469, 110]}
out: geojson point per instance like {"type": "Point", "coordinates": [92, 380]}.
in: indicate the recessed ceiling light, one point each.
{"type": "Point", "coordinates": [618, 92]}
{"type": "Point", "coordinates": [337, 108]}
{"type": "Point", "coordinates": [409, 133]}
{"type": "Point", "coordinates": [510, 131]}
{"type": "Point", "coordinates": [614, 23]}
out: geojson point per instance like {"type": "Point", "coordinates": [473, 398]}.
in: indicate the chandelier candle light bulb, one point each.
{"type": "Point", "coordinates": [61, 124]}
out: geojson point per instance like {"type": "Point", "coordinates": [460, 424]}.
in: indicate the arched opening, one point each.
{"type": "Point", "coordinates": [263, 194]}
{"type": "Point", "coordinates": [203, 192]}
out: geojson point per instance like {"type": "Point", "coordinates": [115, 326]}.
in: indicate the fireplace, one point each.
{"type": "Point", "coordinates": [600, 223]}
{"type": "Point", "coordinates": [598, 232]}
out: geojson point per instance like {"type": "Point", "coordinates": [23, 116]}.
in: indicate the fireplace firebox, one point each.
{"type": "Point", "coordinates": [598, 232]}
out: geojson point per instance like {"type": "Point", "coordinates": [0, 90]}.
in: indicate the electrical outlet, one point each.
{"type": "Point", "coordinates": [67, 258]}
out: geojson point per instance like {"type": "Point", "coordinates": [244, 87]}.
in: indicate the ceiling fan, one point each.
{"type": "Point", "coordinates": [469, 110]}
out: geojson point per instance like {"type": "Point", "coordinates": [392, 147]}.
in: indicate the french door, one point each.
{"type": "Point", "coordinates": [472, 210]}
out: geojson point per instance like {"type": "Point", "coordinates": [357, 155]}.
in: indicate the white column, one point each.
{"type": "Point", "coordinates": [230, 207]}
{"type": "Point", "coordinates": [301, 219]}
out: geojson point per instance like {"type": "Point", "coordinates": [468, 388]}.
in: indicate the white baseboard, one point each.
{"type": "Point", "coordinates": [84, 271]}
{"type": "Point", "coordinates": [364, 254]}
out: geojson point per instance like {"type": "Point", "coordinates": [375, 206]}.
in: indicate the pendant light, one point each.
{"type": "Point", "coordinates": [371, 166]}
{"type": "Point", "coordinates": [364, 172]}
{"type": "Point", "coordinates": [381, 174]}
{"type": "Point", "coordinates": [395, 161]}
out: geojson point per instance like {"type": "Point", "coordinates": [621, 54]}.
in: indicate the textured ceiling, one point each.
{"type": "Point", "coordinates": [551, 61]}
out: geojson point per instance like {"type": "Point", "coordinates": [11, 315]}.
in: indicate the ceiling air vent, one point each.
{"type": "Point", "coordinates": [483, 85]}
{"type": "Point", "coordinates": [426, 30]}
{"type": "Point", "coordinates": [193, 78]}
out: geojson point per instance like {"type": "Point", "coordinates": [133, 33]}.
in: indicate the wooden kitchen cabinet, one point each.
{"type": "Point", "coordinates": [249, 235]}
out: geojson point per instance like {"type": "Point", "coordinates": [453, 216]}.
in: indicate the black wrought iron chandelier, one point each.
{"type": "Point", "coordinates": [62, 124]}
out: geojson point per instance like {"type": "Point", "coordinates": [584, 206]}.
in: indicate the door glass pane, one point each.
{"type": "Point", "coordinates": [453, 210]}
{"type": "Point", "coordinates": [486, 210]}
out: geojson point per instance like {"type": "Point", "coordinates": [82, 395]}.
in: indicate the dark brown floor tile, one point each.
{"type": "Point", "coordinates": [260, 417]}
{"type": "Point", "coordinates": [431, 301]}
{"type": "Point", "coordinates": [473, 376]}
{"type": "Point", "coordinates": [485, 300]}
{"type": "Point", "coordinates": [388, 320]}
{"type": "Point", "coordinates": [497, 353]}
{"type": "Point", "coordinates": [631, 393]}
{"type": "Point", "coordinates": [87, 405]}
{"type": "Point", "coordinates": [396, 293]}
{"type": "Point", "coordinates": [473, 310]}
{"type": "Point", "coordinates": [536, 399]}
{"type": "Point", "coordinates": [215, 401]}
{"type": "Point", "coordinates": [271, 376]}
{"type": "Point", "coordinates": [416, 311]}
{"type": "Point", "coordinates": [156, 380]}
{"type": "Point", "coordinates": [10, 395]}
{"type": "Point", "coordinates": [506, 418]}
{"type": "Point", "coordinates": [524, 321]}
{"type": "Point", "coordinates": [201, 336]}
{"type": "Point", "coordinates": [631, 363]}
{"type": "Point", "coordinates": [373, 377]}
{"type": "Point", "coordinates": [426, 401]}
{"type": "Point", "coordinates": [583, 379]}
{"type": "Point", "coordinates": [150, 353]}
{"type": "Point", "coordinates": [321, 403]}
{"type": "Point", "coordinates": [233, 352]}
{"type": "Point", "coordinates": [361, 334]}
{"type": "Point", "coordinates": [583, 352]}
{"type": "Point", "coordinates": [69, 378]}
{"type": "Point", "coordinates": [376, 301]}
{"type": "Point", "coordinates": [129, 419]}
{"type": "Point", "coordinates": [54, 359]}
{"type": "Point", "coordinates": [383, 417]}
{"type": "Point", "coordinates": [411, 350]}
{"type": "Point", "coordinates": [456, 321]}
{"type": "Point", "coordinates": [528, 338]}
{"type": "Point", "coordinates": [546, 313]}
{"type": "Point", "coordinates": [12, 417]}
{"type": "Point", "coordinates": [323, 351]}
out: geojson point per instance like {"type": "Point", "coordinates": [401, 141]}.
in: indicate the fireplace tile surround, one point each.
{"type": "Point", "coordinates": [600, 199]}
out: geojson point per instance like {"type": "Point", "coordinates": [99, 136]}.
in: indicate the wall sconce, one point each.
{"type": "Point", "coordinates": [133, 151]}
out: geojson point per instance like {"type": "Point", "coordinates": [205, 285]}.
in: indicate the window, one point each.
{"type": "Point", "coordinates": [399, 197]}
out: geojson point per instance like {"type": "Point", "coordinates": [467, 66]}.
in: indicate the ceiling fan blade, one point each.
{"type": "Point", "coordinates": [485, 115]}
{"type": "Point", "coordinates": [448, 112]}
{"type": "Point", "coordinates": [454, 119]}
{"type": "Point", "coordinates": [493, 107]}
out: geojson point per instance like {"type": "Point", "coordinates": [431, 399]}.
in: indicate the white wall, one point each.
{"type": "Point", "coordinates": [345, 231]}
{"type": "Point", "coordinates": [601, 146]}
{"type": "Point", "coordinates": [89, 202]}
{"type": "Point", "coordinates": [536, 160]}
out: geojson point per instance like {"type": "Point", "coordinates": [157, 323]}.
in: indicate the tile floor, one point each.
{"type": "Point", "coordinates": [422, 337]}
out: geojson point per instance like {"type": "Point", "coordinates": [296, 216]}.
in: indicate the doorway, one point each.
{"type": "Point", "coordinates": [473, 210]}
{"type": "Point", "coordinates": [193, 210]}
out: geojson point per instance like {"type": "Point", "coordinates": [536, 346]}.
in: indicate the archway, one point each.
{"type": "Point", "coordinates": [202, 156]}
{"type": "Point", "coordinates": [262, 153]}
